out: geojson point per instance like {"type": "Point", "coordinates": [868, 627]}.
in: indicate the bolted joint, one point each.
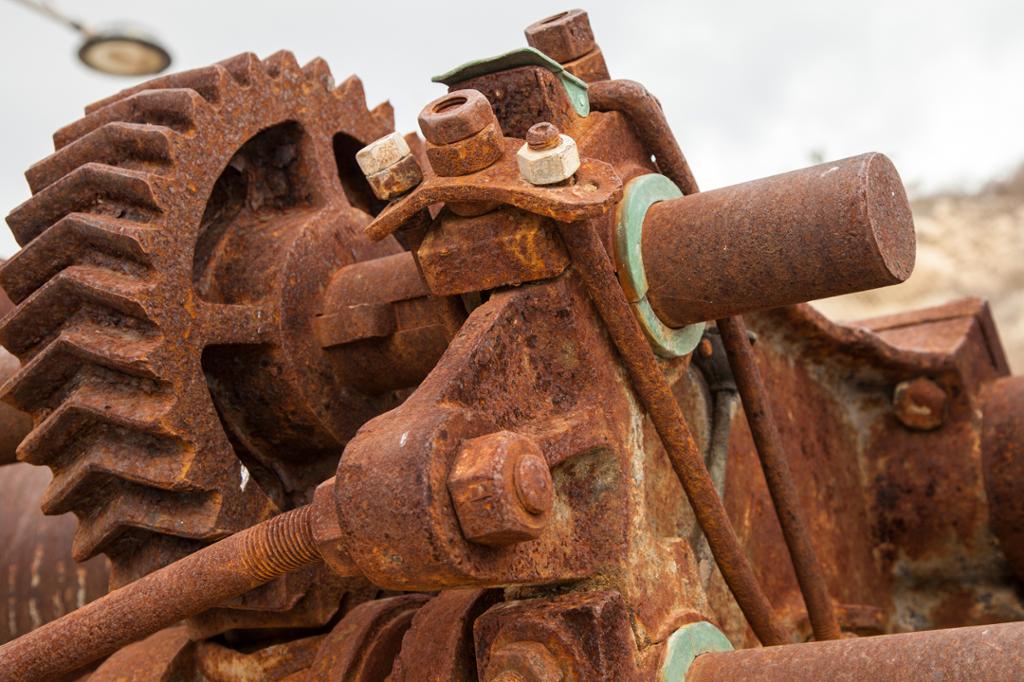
{"type": "Point", "coordinates": [389, 166]}
{"type": "Point", "coordinates": [501, 488]}
{"type": "Point", "coordinates": [327, 533]}
{"type": "Point", "coordinates": [547, 157]}
{"type": "Point", "coordinates": [564, 36]}
{"type": "Point", "coordinates": [463, 134]}
{"type": "Point", "coordinates": [920, 404]}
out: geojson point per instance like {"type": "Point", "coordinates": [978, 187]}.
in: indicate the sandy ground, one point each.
{"type": "Point", "coordinates": [967, 245]}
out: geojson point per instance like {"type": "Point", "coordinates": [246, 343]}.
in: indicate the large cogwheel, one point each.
{"type": "Point", "coordinates": [174, 250]}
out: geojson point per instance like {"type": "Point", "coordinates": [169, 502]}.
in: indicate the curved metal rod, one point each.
{"type": "Point", "coordinates": [594, 266]}
{"type": "Point", "coordinates": [775, 465]}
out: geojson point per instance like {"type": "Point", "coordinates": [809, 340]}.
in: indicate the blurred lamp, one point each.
{"type": "Point", "coordinates": [118, 50]}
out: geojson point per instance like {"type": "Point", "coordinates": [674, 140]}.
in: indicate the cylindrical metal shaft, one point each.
{"type": "Point", "coordinates": [982, 652]}
{"type": "Point", "coordinates": [592, 263]}
{"type": "Point", "coordinates": [822, 231]}
{"type": "Point", "coordinates": [189, 586]}
{"type": "Point", "coordinates": [780, 482]}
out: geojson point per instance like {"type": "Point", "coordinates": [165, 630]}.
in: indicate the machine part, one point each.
{"type": "Point", "coordinates": [842, 226]}
{"type": "Point", "coordinates": [501, 488]}
{"type": "Point", "coordinates": [40, 580]}
{"type": "Point", "coordinates": [639, 195]}
{"type": "Point", "coordinates": [389, 166]}
{"type": "Point", "coordinates": [567, 38]}
{"type": "Point", "coordinates": [775, 464]}
{"type": "Point", "coordinates": [201, 580]}
{"type": "Point", "coordinates": [1003, 465]}
{"type": "Point", "coordinates": [686, 644]}
{"type": "Point", "coordinates": [920, 404]}
{"type": "Point", "coordinates": [982, 652]}
{"type": "Point", "coordinates": [591, 261]}
{"type": "Point", "coordinates": [575, 89]}
{"type": "Point", "coordinates": [547, 163]}
{"type": "Point", "coordinates": [643, 110]}
{"type": "Point", "coordinates": [173, 250]}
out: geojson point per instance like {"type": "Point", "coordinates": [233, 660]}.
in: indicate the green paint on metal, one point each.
{"type": "Point", "coordinates": [575, 88]}
{"type": "Point", "coordinates": [640, 194]}
{"type": "Point", "coordinates": [686, 644]}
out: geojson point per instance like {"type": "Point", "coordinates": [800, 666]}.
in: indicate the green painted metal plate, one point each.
{"type": "Point", "coordinates": [686, 644]}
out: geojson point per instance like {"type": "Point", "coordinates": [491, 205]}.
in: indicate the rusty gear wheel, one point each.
{"type": "Point", "coordinates": [175, 247]}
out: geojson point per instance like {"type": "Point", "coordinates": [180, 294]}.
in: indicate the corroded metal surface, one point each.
{"type": "Point", "coordinates": [432, 431]}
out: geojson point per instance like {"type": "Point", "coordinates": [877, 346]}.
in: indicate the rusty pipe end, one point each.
{"type": "Point", "coordinates": [831, 229]}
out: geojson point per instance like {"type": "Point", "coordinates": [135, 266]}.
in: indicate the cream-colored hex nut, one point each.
{"type": "Point", "coordinates": [382, 153]}
{"type": "Point", "coordinates": [550, 165]}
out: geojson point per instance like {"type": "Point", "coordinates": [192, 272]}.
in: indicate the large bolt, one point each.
{"type": "Point", "coordinates": [502, 489]}
{"type": "Point", "coordinates": [523, 662]}
{"type": "Point", "coordinates": [547, 157]}
{"type": "Point", "coordinates": [463, 135]}
{"type": "Point", "coordinates": [920, 404]}
{"type": "Point", "coordinates": [389, 166]}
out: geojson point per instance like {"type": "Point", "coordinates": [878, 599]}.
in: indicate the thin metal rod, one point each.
{"type": "Point", "coordinates": [594, 267]}
{"type": "Point", "coordinates": [780, 481]}
{"type": "Point", "coordinates": [191, 585]}
{"type": "Point", "coordinates": [50, 12]}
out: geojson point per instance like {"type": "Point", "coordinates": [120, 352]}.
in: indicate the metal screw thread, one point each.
{"type": "Point", "coordinates": [281, 545]}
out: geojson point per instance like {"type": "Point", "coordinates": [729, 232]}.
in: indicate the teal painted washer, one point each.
{"type": "Point", "coordinates": [686, 644]}
{"type": "Point", "coordinates": [640, 194]}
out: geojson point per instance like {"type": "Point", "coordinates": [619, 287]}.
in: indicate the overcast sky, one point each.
{"type": "Point", "coordinates": [751, 89]}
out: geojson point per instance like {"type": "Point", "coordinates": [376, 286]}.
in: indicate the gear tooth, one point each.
{"type": "Point", "coordinates": [243, 67]}
{"type": "Point", "coordinates": [318, 70]}
{"type": "Point", "coordinates": [281, 63]}
{"type": "Point", "coordinates": [128, 145]}
{"type": "Point", "coordinates": [50, 306]}
{"type": "Point", "coordinates": [90, 405]}
{"type": "Point", "coordinates": [208, 81]}
{"type": "Point", "coordinates": [135, 508]}
{"type": "Point", "coordinates": [172, 108]}
{"type": "Point", "coordinates": [107, 457]}
{"type": "Point", "coordinates": [93, 186]}
{"type": "Point", "coordinates": [77, 239]}
{"type": "Point", "coordinates": [351, 90]}
{"type": "Point", "coordinates": [384, 115]}
{"type": "Point", "coordinates": [121, 349]}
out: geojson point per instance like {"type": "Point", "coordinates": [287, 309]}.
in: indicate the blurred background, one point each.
{"type": "Point", "coordinates": [751, 89]}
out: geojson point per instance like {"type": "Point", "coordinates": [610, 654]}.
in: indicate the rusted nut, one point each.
{"type": "Point", "coordinates": [327, 531]}
{"type": "Point", "coordinates": [456, 116]}
{"type": "Point", "coordinates": [563, 37]}
{"type": "Point", "coordinates": [558, 160]}
{"type": "Point", "coordinates": [523, 662]}
{"type": "Point", "coordinates": [502, 489]}
{"type": "Point", "coordinates": [920, 404]}
{"type": "Point", "coordinates": [469, 155]}
{"type": "Point", "coordinates": [389, 166]}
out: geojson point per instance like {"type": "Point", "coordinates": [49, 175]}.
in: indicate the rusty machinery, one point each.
{"type": "Point", "coordinates": [342, 404]}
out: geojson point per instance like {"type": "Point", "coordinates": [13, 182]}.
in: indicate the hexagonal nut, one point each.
{"type": "Point", "coordinates": [396, 179]}
{"type": "Point", "coordinates": [456, 116]}
{"type": "Point", "coordinates": [523, 662]}
{"type": "Point", "coordinates": [327, 531]}
{"type": "Point", "coordinates": [563, 37]}
{"type": "Point", "coordinates": [382, 153]}
{"type": "Point", "coordinates": [501, 488]}
{"type": "Point", "coordinates": [548, 166]}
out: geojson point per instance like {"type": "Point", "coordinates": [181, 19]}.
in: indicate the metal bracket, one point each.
{"type": "Point", "coordinates": [640, 194]}
{"type": "Point", "coordinates": [686, 644]}
{"type": "Point", "coordinates": [575, 88]}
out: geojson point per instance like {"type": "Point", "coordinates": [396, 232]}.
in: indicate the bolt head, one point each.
{"type": "Point", "coordinates": [920, 404]}
{"type": "Point", "coordinates": [456, 116]}
{"type": "Point", "coordinates": [542, 135]}
{"type": "Point", "coordinates": [563, 37]}
{"type": "Point", "coordinates": [548, 166]}
{"type": "Point", "coordinates": [523, 662]}
{"type": "Point", "coordinates": [501, 488]}
{"type": "Point", "coordinates": [382, 153]}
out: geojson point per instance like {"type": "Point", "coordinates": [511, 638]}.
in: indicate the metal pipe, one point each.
{"type": "Point", "coordinates": [981, 652]}
{"type": "Point", "coordinates": [209, 577]}
{"type": "Point", "coordinates": [822, 231]}
{"type": "Point", "coordinates": [644, 112]}
{"type": "Point", "coordinates": [594, 266]}
{"type": "Point", "coordinates": [775, 465]}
